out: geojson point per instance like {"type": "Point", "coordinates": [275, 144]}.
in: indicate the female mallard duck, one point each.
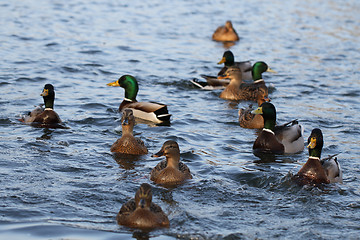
{"type": "Point", "coordinates": [170, 171]}
{"type": "Point", "coordinates": [44, 117]}
{"type": "Point", "coordinates": [151, 111]}
{"type": "Point", "coordinates": [250, 120]}
{"type": "Point", "coordinates": [318, 170]}
{"type": "Point", "coordinates": [239, 90]}
{"type": "Point", "coordinates": [287, 138]}
{"type": "Point", "coordinates": [128, 143]}
{"type": "Point", "coordinates": [225, 33]}
{"type": "Point", "coordinates": [141, 212]}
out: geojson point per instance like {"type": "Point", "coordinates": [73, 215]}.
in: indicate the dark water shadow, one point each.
{"type": "Point", "coordinates": [127, 161]}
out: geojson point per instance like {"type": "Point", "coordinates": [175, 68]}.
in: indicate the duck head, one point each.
{"type": "Point", "coordinates": [143, 196]}
{"type": "Point", "coordinates": [268, 111]}
{"type": "Point", "coordinates": [130, 85]}
{"type": "Point", "coordinates": [48, 95]}
{"type": "Point", "coordinates": [228, 58]}
{"type": "Point", "coordinates": [259, 68]}
{"type": "Point", "coordinates": [171, 151]}
{"type": "Point", "coordinates": [233, 73]}
{"type": "Point", "coordinates": [315, 143]}
{"type": "Point", "coordinates": [127, 120]}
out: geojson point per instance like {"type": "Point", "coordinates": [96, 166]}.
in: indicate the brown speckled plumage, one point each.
{"type": "Point", "coordinates": [250, 120]}
{"type": "Point", "coordinates": [170, 171]}
{"type": "Point", "coordinates": [128, 144]}
{"type": "Point", "coordinates": [141, 212]}
{"type": "Point", "coordinates": [238, 90]}
{"type": "Point", "coordinates": [225, 33]}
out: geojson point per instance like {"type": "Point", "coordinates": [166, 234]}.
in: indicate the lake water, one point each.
{"type": "Point", "coordinates": [65, 183]}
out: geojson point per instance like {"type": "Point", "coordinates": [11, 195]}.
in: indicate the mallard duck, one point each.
{"type": "Point", "coordinates": [318, 170]}
{"type": "Point", "coordinates": [225, 33]}
{"type": "Point", "coordinates": [250, 120]}
{"type": "Point", "coordinates": [170, 171]}
{"type": "Point", "coordinates": [141, 212]}
{"type": "Point", "coordinates": [229, 61]}
{"type": "Point", "coordinates": [239, 90]}
{"type": "Point", "coordinates": [151, 111]}
{"type": "Point", "coordinates": [128, 143]}
{"type": "Point", "coordinates": [221, 81]}
{"type": "Point", "coordinates": [287, 138]}
{"type": "Point", "coordinates": [44, 117]}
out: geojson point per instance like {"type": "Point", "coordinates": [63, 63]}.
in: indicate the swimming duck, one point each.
{"type": "Point", "coordinates": [287, 138]}
{"type": "Point", "coordinates": [225, 33]}
{"type": "Point", "coordinates": [170, 171]}
{"type": "Point", "coordinates": [239, 90]}
{"type": "Point", "coordinates": [250, 120]}
{"type": "Point", "coordinates": [141, 212]}
{"type": "Point", "coordinates": [151, 111]}
{"type": "Point", "coordinates": [318, 170]}
{"type": "Point", "coordinates": [222, 81]}
{"type": "Point", "coordinates": [128, 143]}
{"type": "Point", "coordinates": [229, 60]}
{"type": "Point", "coordinates": [44, 117]}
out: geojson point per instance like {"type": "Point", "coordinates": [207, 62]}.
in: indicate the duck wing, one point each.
{"type": "Point", "coordinates": [332, 168]}
{"type": "Point", "coordinates": [291, 136]}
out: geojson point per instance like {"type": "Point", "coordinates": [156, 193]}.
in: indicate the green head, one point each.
{"type": "Point", "coordinates": [315, 143]}
{"type": "Point", "coordinates": [268, 111]}
{"type": "Point", "coordinates": [259, 68]}
{"type": "Point", "coordinates": [130, 85]}
{"type": "Point", "coordinates": [49, 96]}
{"type": "Point", "coordinates": [228, 59]}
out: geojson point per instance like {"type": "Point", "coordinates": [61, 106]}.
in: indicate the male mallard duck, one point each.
{"type": "Point", "coordinates": [318, 170]}
{"type": "Point", "coordinates": [239, 90]}
{"type": "Point", "coordinates": [41, 116]}
{"type": "Point", "coordinates": [250, 120]}
{"type": "Point", "coordinates": [229, 60]}
{"type": "Point", "coordinates": [170, 171]}
{"type": "Point", "coordinates": [151, 111]}
{"type": "Point", "coordinates": [248, 72]}
{"type": "Point", "coordinates": [225, 33]}
{"type": "Point", "coordinates": [287, 138]}
{"type": "Point", "coordinates": [141, 212]}
{"type": "Point", "coordinates": [128, 143]}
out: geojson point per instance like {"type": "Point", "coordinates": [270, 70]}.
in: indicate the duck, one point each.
{"type": "Point", "coordinates": [170, 171]}
{"type": "Point", "coordinates": [248, 72]}
{"type": "Point", "coordinates": [225, 33]}
{"type": "Point", "coordinates": [44, 117]}
{"type": "Point", "coordinates": [278, 139]}
{"type": "Point", "coordinates": [229, 60]}
{"type": "Point", "coordinates": [317, 170]}
{"type": "Point", "coordinates": [141, 212]}
{"type": "Point", "coordinates": [128, 144]}
{"type": "Point", "coordinates": [150, 111]}
{"type": "Point", "coordinates": [250, 120]}
{"type": "Point", "coordinates": [238, 89]}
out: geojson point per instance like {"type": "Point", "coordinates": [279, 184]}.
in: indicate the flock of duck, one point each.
{"type": "Point", "coordinates": [240, 81]}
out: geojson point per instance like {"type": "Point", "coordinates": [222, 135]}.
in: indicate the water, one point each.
{"type": "Point", "coordinates": [65, 183]}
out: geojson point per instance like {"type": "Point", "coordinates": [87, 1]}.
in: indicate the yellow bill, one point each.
{"type": "Point", "coordinates": [270, 70]}
{"type": "Point", "coordinates": [114, 84]}
{"type": "Point", "coordinates": [222, 60]}
{"type": "Point", "coordinates": [257, 111]}
{"type": "Point", "coordinates": [312, 143]}
{"type": "Point", "coordinates": [45, 93]}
